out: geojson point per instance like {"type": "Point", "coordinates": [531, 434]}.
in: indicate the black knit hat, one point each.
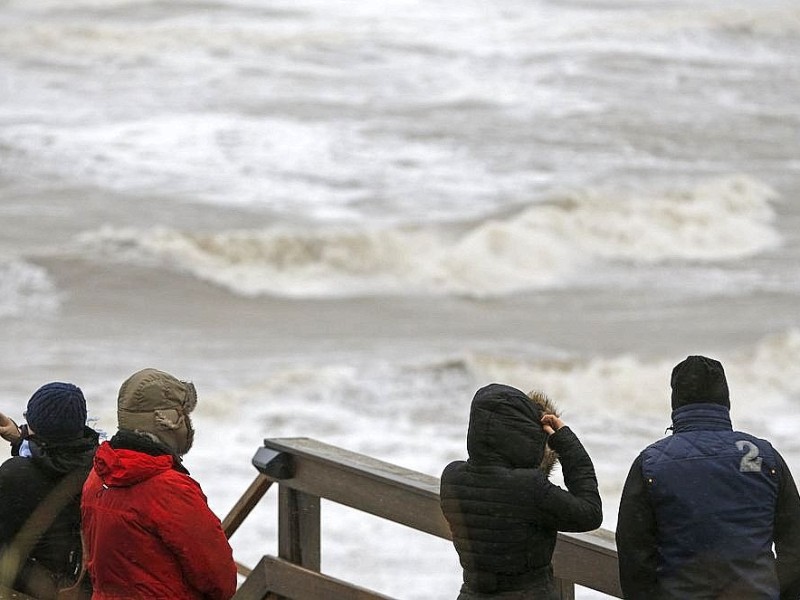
{"type": "Point", "coordinates": [57, 411]}
{"type": "Point", "coordinates": [699, 379]}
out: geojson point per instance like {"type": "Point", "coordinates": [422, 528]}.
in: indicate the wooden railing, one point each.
{"type": "Point", "coordinates": [307, 470]}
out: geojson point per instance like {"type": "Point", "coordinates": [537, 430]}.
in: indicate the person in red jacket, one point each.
{"type": "Point", "coordinates": [147, 528]}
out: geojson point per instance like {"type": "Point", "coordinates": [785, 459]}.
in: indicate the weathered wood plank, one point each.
{"type": "Point", "coordinates": [255, 586]}
{"type": "Point", "coordinates": [364, 483]}
{"type": "Point", "coordinates": [251, 497]}
{"type": "Point", "coordinates": [588, 559]}
{"type": "Point", "coordinates": [276, 576]}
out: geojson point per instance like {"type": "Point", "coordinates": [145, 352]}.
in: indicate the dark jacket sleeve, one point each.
{"type": "Point", "coordinates": [14, 506]}
{"type": "Point", "coordinates": [636, 538]}
{"type": "Point", "coordinates": [580, 508]}
{"type": "Point", "coordinates": [787, 534]}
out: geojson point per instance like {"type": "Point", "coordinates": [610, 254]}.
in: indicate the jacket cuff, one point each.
{"type": "Point", "coordinates": [561, 438]}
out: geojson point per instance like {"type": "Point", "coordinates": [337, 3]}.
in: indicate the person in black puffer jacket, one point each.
{"type": "Point", "coordinates": [54, 446]}
{"type": "Point", "coordinates": [503, 512]}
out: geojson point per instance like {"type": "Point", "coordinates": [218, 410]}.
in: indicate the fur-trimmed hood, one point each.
{"type": "Point", "coordinates": [547, 407]}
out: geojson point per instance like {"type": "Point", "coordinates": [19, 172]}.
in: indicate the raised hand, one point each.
{"type": "Point", "coordinates": [8, 429]}
{"type": "Point", "coordinates": [551, 424]}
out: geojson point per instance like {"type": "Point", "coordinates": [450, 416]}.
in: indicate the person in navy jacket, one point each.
{"type": "Point", "coordinates": [708, 512]}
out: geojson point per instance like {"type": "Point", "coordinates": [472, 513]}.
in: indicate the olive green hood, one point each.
{"type": "Point", "coordinates": [154, 402]}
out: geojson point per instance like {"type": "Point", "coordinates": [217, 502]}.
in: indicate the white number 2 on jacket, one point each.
{"type": "Point", "coordinates": [751, 461]}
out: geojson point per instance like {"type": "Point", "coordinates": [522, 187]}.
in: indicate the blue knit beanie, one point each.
{"type": "Point", "coordinates": [57, 411]}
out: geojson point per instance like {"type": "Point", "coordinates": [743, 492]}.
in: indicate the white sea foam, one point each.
{"type": "Point", "coordinates": [26, 289]}
{"type": "Point", "coordinates": [766, 375]}
{"type": "Point", "coordinates": [545, 245]}
{"type": "Point", "coordinates": [347, 112]}
{"type": "Point", "coordinates": [409, 403]}
{"type": "Point", "coordinates": [331, 170]}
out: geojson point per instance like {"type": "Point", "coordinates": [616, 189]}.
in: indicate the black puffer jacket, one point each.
{"type": "Point", "coordinates": [503, 512]}
{"type": "Point", "coordinates": [27, 481]}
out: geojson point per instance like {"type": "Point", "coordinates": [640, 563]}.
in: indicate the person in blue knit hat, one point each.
{"type": "Point", "coordinates": [51, 455]}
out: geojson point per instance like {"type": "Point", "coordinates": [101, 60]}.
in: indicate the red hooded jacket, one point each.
{"type": "Point", "coordinates": [149, 532]}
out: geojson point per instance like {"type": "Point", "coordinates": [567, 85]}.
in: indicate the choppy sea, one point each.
{"type": "Point", "coordinates": [339, 219]}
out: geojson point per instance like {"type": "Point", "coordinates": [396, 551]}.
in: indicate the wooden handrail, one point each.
{"type": "Point", "coordinates": [364, 483]}
{"type": "Point", "coordinates": [308, 470]}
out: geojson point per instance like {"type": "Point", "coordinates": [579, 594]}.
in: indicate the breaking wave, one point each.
{"type": "Point", "coordinates": [546, 245]}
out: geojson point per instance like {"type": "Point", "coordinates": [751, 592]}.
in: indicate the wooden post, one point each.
{"type": "Point", "coordinates": [299, 528]}
{"type": "Point", "coordinates": [565, 590]}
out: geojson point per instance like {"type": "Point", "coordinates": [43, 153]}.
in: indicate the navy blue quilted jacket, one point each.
{"type": "Point", "coordinates": [700, 512]}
